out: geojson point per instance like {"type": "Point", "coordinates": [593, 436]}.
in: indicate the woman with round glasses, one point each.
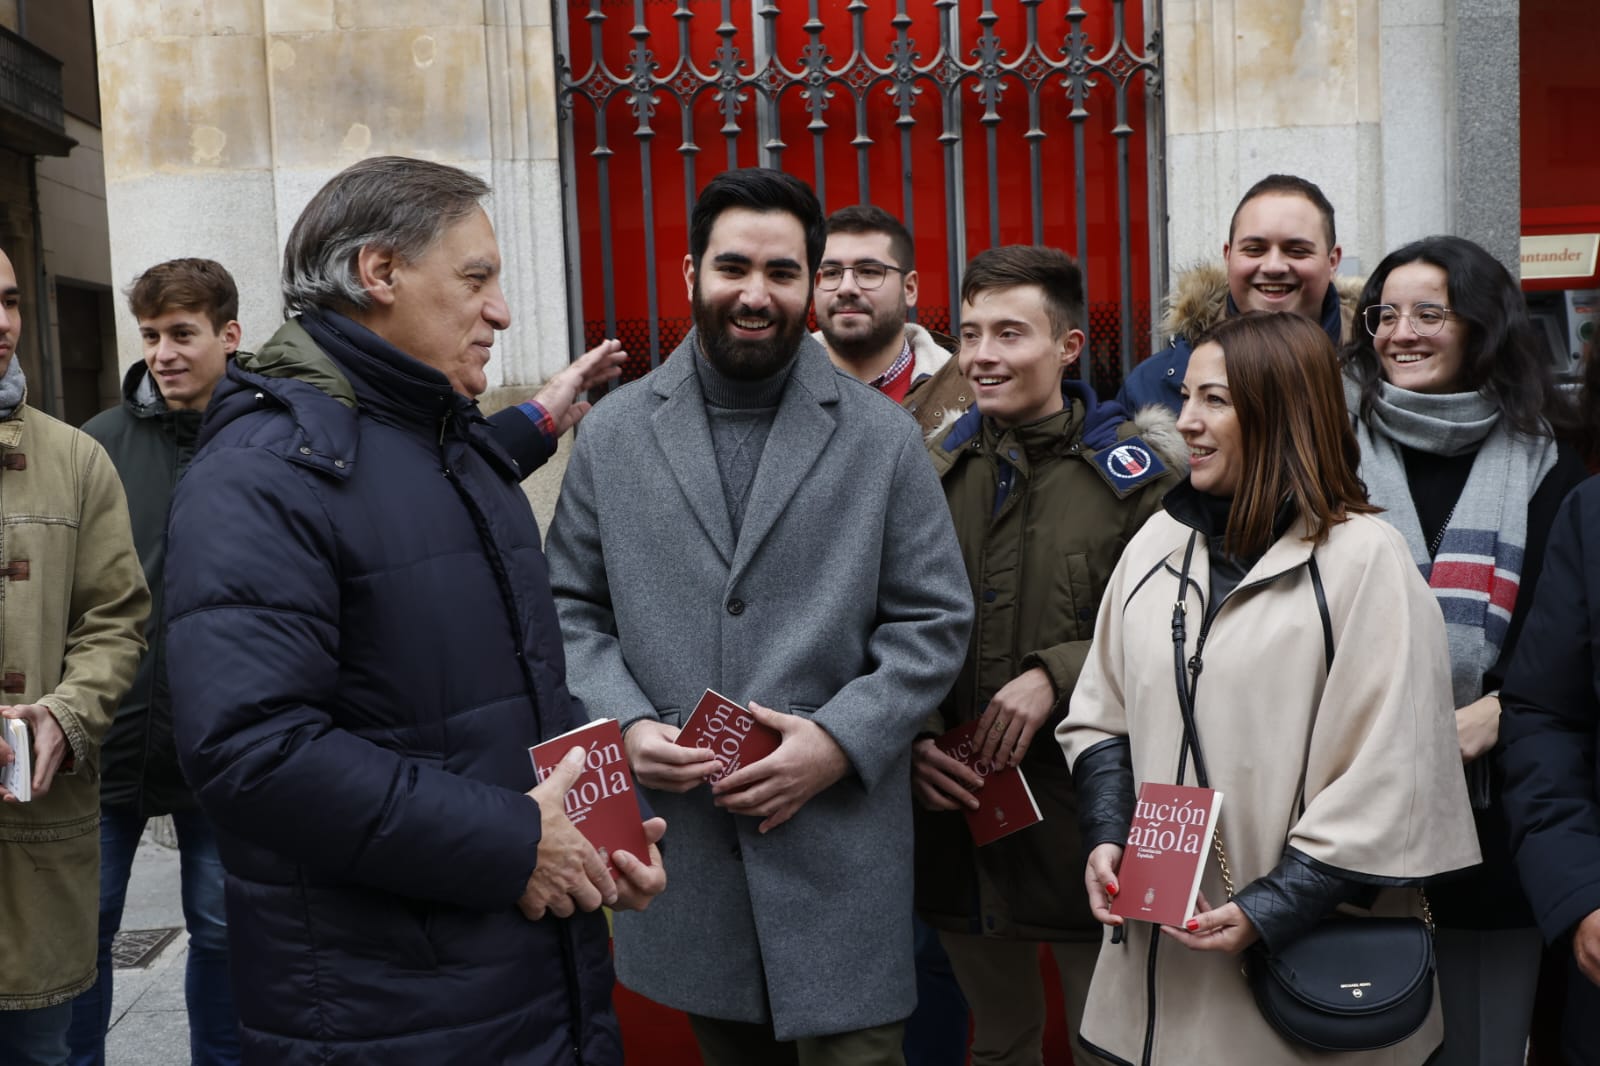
{"type": "Point", "coordinates": [1456, 410]}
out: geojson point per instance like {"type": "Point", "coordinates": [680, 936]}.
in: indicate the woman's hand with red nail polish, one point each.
{"type": "Point", "coordinates": [1225, 929]}
{"type": "Point", "coordinates": [1100, 878]}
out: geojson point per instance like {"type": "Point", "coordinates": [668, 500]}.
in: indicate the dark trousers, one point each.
{"type": "Point", "coordinates": [208, 994]}
{"type": "Point", "coordinates": [35, 1037]}
{"type": "Point", "coordinates": [936, 1032]}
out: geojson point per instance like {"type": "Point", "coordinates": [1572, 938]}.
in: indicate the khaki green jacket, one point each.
{"type": "Point", "coordinates": [1038, 569]}
{"type": "Point", "coordinates": [72, 609]}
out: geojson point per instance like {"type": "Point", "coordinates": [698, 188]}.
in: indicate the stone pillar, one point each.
{"type": "Point", "coordinates": [1485, 131]}
{"type": "Point", "coordinates": [224, 118]}
{"type": "Point", "coordinates": [188, 148]}
{"type": "Point", "coordinates": [1404, 111]}
{"type": "Point", "coordinates": [1416, 121]}
{"type": "Point", "coordinates": [1255, 87]}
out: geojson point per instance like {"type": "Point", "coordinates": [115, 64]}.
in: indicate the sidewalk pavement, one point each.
{"type": "Point", "coordinates": [149, 1022]}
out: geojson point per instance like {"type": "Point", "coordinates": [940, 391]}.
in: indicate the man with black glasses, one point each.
{"type": "Point", "coordinates": [865, 288]}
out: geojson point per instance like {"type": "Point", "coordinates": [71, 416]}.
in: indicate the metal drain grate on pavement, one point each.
{"type": "Point", "coordinates": [134, 949]}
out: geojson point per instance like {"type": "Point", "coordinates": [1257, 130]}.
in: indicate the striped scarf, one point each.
{"type": "Point", "coordinates": [1477, 570]}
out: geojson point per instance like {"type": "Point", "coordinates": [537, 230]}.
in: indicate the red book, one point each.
{"type": "Point", "coordinates": [1005, 803]}
{"type": "Point", "coordinates": [1168, 844]}
{"type": "Point", "coordinates": [730, 731]}
{"type": "Point", "coordinates": [601, 802]}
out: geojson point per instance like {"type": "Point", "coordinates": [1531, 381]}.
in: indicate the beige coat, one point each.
{"type": "Point", "coordinates": [1374, 739]}
{"type": "Point", "coordinates": [71, 631]}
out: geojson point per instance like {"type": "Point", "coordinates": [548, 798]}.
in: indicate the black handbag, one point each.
{"type": "Point", "coordinates": [1350, 983]}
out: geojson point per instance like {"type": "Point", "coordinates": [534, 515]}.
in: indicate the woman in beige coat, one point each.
{"type": "Point", "coordinates": [1321, 693]}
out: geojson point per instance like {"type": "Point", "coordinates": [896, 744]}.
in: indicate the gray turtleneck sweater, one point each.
{"type": "Point", "coordinates": [741, 414]}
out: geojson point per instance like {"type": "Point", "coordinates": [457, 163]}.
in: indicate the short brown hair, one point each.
{"type": "Point", "coordinates": [201, 285]}
{"type": "Point", "coordinates": [1284, 381]}
{"type": "Point", "coordinates": [870, 218]}
{"type": "Point", "coordinates": [1054, 271]}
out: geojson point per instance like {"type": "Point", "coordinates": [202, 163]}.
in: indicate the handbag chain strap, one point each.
{"type": "Point", "coordinates": [1222, 861]}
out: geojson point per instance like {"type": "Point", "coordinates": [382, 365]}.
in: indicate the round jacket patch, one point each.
{"type": "Point", "coordinates": [1128, 461]}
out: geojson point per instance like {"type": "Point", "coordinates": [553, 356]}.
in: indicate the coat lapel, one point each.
{"type": "Point", "coordinates": [684, 433]}
{"type": "Point", "coordinates": [799, 432]}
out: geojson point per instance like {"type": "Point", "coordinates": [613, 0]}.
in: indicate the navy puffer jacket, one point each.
{"type": "Point", "coordinates": [362, 647]}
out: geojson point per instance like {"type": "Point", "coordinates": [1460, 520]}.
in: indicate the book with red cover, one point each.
{"type": "Point", "coordinates": [1005, 802]}
{"type": "Point", "coordinates": [730, 731]}
{"type": "Point", "coordinates": [1168, 844]}
{"type": "Point", "coordinates": [601, 802]}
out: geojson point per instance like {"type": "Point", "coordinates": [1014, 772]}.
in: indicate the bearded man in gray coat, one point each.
{"type": "Point", "coordinates": [749, 519]}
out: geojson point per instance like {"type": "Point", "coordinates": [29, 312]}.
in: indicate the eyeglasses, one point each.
{"type": "Point", "coordinates": [1426, 319]}
{"type": "Point", "coordinates": [868, 275]}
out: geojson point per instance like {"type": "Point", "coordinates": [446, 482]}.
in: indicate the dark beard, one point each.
{"type": "Point", "coordinates": [884, 333]}
{"type": "Point", "coordinates": [744, 360]}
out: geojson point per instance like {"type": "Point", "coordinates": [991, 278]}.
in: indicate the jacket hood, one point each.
{"type": "Point", "coordinates": [1199, 301]}
{"type": "Point", "coordinates": [143, 399]}
{"type": "Point", "coordinates": [291, 353]}
{"type": "Point", "coordinates": [1102, 420]}
{"type": "Point", "coordinates": [291, 372]}
{"type": "Point", "coordinates": [139, 393]}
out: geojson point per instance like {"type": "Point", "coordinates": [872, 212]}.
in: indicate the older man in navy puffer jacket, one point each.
{"type": "Point", "coordinates": [362, 648]}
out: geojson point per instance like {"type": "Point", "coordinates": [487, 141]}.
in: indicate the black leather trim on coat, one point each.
{"type": "Point", "coordinates": [1103, 777]}
{"type": "Point", "coordinates": [1295, 896]}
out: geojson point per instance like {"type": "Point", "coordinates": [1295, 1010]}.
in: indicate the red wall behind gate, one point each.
{"type": "Point", "coordinates": [840, 185]}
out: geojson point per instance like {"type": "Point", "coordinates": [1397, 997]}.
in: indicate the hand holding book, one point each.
{"type": "Point", "coordinates": [16, 761]}
{"type": "Point", "coordinates": [569, 875]}
{"type": "Point", "coordinates": [940, 781]}
{"type": "Point", "coordinates": [591, 820]}
{"type": "Point", "coordinates": [1169, 844]}
{"type": "Point", "coordinates": [49, 747]}
{"type": "Point", "coordinates": [806, 761]}
{"type": "Point", "coordinates": [1014, 715]}
{"type": "Point", "coordinates": [1225, 928]}
{"type": "Point", "coordinates": [661, 761]}
{"type": "Point", "coordinates": [639, 879]}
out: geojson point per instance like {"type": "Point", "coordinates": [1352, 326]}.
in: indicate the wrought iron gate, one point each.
{"type": "Point", "coordinates": [963, 120]}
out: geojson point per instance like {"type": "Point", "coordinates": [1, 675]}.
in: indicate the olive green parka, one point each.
{"type": "Point", "coordinates": [73, 604]}
{"type": "Point", "coordinates": [1038, 566]}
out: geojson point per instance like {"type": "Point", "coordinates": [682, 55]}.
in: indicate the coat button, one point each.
{"type": "Point", "coordinates": [736, 606]}
{"type": "Point", "coordinates": [989, 595]}
{"type": "Point", "coordinates": [1171, 370]}
{"type": "Point", "coordinates": [339, 463]}
{"type": "Point", "coordinates": [304, 450]}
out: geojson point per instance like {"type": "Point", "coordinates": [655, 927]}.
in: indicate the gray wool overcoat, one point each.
{"type": "Point", "coordinates": [843, 599]}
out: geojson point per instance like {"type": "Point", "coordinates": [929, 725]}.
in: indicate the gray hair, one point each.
{"type": "Point", "coordinates": [399, 204]}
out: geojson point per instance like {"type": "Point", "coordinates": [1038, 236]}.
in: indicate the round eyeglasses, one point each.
{"type": "Point", "coordinates": [868, 275]}
{"type": "Point", "coordinates": [1426, 319]}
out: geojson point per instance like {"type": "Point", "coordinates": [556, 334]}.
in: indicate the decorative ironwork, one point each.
{"type": "Point", "coordinates": [1059, 81]}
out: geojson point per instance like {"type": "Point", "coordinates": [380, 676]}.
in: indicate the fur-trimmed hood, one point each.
{"type": "Point", "coordinates": [1102, 427]}
{"type": "Point", "coordinates": [1199, 301]}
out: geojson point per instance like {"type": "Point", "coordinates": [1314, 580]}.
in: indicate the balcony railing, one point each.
{"type": "Point", "coordinates": [30, 82]}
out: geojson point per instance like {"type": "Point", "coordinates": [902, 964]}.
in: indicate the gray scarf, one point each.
{"type": "Point", "coordinates": [1477, 566]}
{"type": "Point", "coordinates": [13, 387]}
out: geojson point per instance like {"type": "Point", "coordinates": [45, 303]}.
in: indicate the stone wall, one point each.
{"type": "Point", "coordinates": [224, 117]}
{"type": "Point", "coordinates": [1394, 107]}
